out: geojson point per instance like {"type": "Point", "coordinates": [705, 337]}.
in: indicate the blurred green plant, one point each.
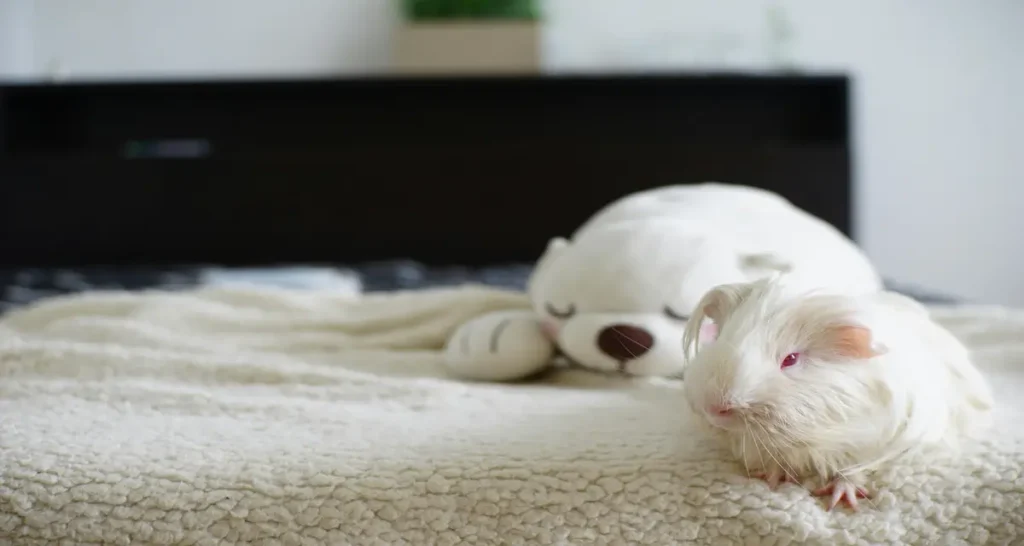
{"type": "Point", "coordinates": [432, 10]}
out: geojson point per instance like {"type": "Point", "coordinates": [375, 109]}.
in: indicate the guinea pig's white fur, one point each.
{"type": "Point", "coordinates": [874, 378]}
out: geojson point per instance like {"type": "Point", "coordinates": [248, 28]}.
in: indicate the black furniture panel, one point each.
{"type": "Point", "coordinates": [444, 171]}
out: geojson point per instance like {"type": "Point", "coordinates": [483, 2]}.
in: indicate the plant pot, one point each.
{"type": "Point", "coordinates": [467, 47]}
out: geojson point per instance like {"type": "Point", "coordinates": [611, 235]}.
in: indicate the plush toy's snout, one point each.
{"type": "Point", "coordinates": [633, 343]}
{"type": "Point", "coordinates": [624, 342]}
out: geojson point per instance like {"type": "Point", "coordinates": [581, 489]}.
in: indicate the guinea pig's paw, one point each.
{"type": "Point", "coordinates": [499, 346]}
{"type": "Point", "coordinates": [775, 477]}
{"type": "Point", "coordinates": [842, 490]}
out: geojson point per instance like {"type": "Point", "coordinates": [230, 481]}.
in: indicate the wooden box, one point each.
{"type": "Point", "coordinates": [467, 47]}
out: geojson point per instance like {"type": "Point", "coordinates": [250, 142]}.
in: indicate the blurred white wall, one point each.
{"type": "Point", "coordinates": [16, 28]}
{"type": "Point", "coordinates": [939, 94]}
{"type": "Point", "coordinates": [210, 38]}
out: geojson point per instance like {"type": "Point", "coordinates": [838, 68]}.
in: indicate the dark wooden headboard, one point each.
{"type": "Point", "coordinates": [469, 171]}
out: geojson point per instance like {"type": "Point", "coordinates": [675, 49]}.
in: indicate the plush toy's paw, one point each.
{"type": "Point", "coordinates": [499, 346]}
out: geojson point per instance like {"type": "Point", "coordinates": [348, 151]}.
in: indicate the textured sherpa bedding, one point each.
{"type": "Point", "coordinates": [258, 416]}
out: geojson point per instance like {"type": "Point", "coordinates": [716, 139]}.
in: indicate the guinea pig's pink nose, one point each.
{"type": "Point", "coordinates": [720, 410]}
{"type": "Point", "coordinates": [624, 342]}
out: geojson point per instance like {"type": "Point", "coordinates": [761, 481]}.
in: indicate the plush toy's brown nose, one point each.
{"type": "Point", "coordinates": [624, 342]}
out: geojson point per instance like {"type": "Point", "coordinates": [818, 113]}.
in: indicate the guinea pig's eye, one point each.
{"type": "Point", "coordinates": [675, 316]}
{"type": "Point", "coordinates": [569, 311]}
{"type": "Point", "coordinates": [790, 359]}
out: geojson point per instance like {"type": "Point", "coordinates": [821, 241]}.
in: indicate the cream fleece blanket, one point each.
{"type": "Point", "coordinates": [234, 416]}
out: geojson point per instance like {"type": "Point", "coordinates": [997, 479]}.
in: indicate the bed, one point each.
{"type": "Point", "coordinates": [225, 303]}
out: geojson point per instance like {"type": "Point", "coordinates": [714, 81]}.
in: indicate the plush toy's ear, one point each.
{"type": "Point", "coordinates": [555, 246]}
{"type": "Point", "coordinates": [764, 262]}
{"type": "Point", "coordinates": [553, 250]}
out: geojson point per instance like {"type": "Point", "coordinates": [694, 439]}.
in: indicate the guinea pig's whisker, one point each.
{"type": "Point", "coordinates": [743, 447]}
{"type": "Point", "coordinates": [757, 446]}
{"type": "Point", "coordinates": [777, 424]}
{"type": "Point", "coordinates": [779, 436]}
{"type": "Point", "coordinates": [761, 414]}
{"type": "Point", "coordinates": [768, 440]}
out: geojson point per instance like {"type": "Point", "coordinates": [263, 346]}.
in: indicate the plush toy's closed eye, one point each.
{"type": "Point", "coordinates": [567, 313]}
{"type": "Point", "coordinates": [674, 315]}
{"type": "Point", "coordinates": [571, 310]}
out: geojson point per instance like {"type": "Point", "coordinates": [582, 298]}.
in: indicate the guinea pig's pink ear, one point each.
{"type": "Point", "coordinates": [850, 341]}
{"type": "Point", "coordinates": [716, 305]}
{"type": "Point", "coordinates": [721, 301]}
{"type": "Point", "coordinates": [708, 332]}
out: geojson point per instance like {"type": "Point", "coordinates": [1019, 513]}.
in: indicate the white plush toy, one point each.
{"type": "Point", "coordinates": [616, 296]}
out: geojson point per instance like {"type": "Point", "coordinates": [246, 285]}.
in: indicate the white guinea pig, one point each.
{"type": "Point", "coordinates": [807, 384]}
